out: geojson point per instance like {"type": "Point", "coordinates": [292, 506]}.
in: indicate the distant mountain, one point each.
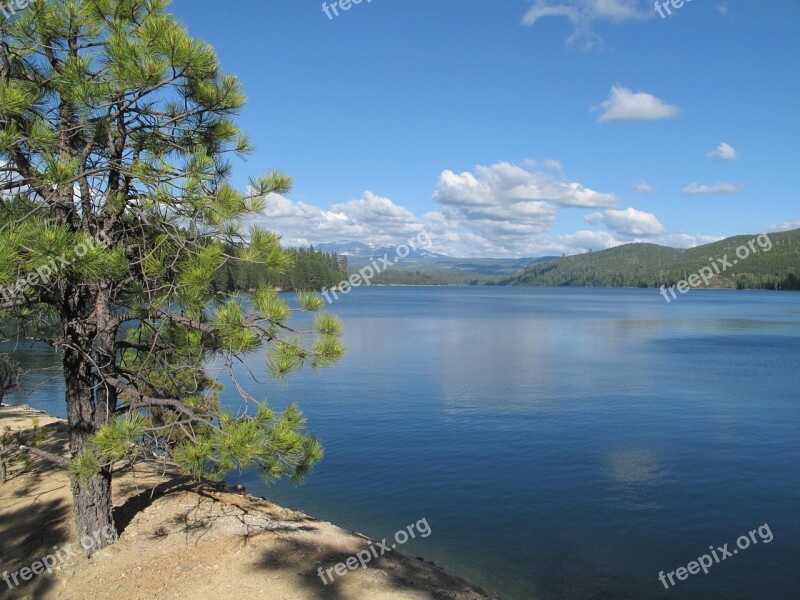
{"type": "Point", "coordinates": [480, 266]}
{"type": "Point", "coordinates": [348, 248]}
{"type": "Point", "coordinates": [362, 250]}
{"type": "Point", "coordinates": [360, 254]}
{"type": "Point", "coordinates": [649, 265]}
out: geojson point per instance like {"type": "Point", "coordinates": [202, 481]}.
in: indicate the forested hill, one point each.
{"type": "Point", "coordinates": [649, 265]}
{"type": "Point", "coordinates": [309, 270]}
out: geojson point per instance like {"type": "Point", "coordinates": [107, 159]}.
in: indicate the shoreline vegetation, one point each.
{"type": "Point", "coordinates": [179, 539]}
{"type": "Point", "coordinates": [637, 265]}
{"type": "Point", "coordinates": [774, 266]}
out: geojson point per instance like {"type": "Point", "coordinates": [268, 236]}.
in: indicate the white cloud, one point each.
{"type": "Point", "coordinates": [503, 233]}
{"type": "Point", "coordinates": [370, 219]}
{"type": "Point", "coordinates": [506, 209]}
{"type": "Point", "coordinates": [583, 241]}
{"type": "Point", "coordinates": [555, 165]}
{"type": "Point", "coordinates": [684, 240]}
{"type": "Point", "coordinates": [625, 105]}
{"type": "Point", "coordinates": [583, 13]}
{"type": "Point", "coordinates": [628, 223]}
{"type": "Point", "coordinates": [502, 210]}
{"type": "Point", "coordinates": [695, 189]}
{"type": "Point", "coordinates": [723, 152]}
{"type": "Point", "coordinates": [723, 8]}
{"type": "Point", "coordinates": [377, 211]}
{"type": "Point", "coordinates": [785, 226]}
{"type": "Point", "coordinates": [505, 184]}
{"type": "Point", "coordinates": [644, 188]}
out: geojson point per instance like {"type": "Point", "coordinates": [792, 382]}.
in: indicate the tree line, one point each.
{"type": "Point", "coordinates": [652, 266]}
{"type": "Point", "coordinates": [308, 270]}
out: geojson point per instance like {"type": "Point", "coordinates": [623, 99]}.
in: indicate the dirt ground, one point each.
{"type": "Point", "coordinates": [184, 541]}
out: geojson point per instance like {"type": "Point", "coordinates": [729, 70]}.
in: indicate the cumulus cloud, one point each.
{"type": "Point", "coordinates": [785, 226]}
{"type": "Point", "coordinates": [723, 152]}
{"type": "Point", "coordinates": [520, 186]}
{"type": "Point", "coordinates": [583, 13]}
{"type": "Point", "coordinates": [629, 223]}
{"type": "Point", "coordinates": [379, 221]}
{"type": "Point", "coordinates": [685, 240]}
{"type": "Point", "coordinates": [502, 210]}
{"type": "Point", "coordinates": [510, 205]}
{"type": "Point", "coordinates": [625, 105]}
{"type": "Point", "coordinates": [644, 188]}
{"type": "Point", "coordinates": [369, 219]}
{"type": "Point", "coordinates": [583, 241]}
{"type": "Point", "coordinates": [377, 211]}
{"type": "Point", "coordinates": [695, 189]}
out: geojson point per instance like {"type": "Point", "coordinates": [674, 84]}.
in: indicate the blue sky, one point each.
{"type": "Point", "coordinates": [517, 127]}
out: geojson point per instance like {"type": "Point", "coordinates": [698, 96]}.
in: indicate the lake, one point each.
{"type": "Point", "coordinates": [561, 443]}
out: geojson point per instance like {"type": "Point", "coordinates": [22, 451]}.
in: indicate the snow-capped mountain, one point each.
{"type": "Point", "coordinates": [360, 254]}
{"type": "Point", "coordinates": [362, 250]}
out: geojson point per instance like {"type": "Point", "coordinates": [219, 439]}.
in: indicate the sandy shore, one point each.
{"type": "Point", "coordinates": [188, 541]}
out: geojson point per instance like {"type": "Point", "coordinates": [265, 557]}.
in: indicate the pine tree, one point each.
{"type": "Point", "coordinates": [116, 132]}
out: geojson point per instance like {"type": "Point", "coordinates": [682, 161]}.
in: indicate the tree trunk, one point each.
{"type": "Point", "coordinates": [92, 508]}
{"type": "Point", "coordinates": [92, 498]}
{"type": "Point", "coordinates": [106, 355]}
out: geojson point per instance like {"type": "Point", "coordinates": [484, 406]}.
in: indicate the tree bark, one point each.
{"type": "Point", "coordinates": [106, 352]}
{"type": "Point", "coordinates": [92, 506]}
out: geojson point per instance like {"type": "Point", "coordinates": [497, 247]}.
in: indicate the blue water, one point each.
{"type": "Point", "coordinates": [561, 443]}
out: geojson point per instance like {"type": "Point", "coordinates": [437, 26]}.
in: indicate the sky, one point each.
{"type": "Point", "coordinates": [517, 128]}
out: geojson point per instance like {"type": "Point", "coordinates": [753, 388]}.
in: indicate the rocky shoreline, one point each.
{"type": "Point", "coordinates": [182, 540]}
